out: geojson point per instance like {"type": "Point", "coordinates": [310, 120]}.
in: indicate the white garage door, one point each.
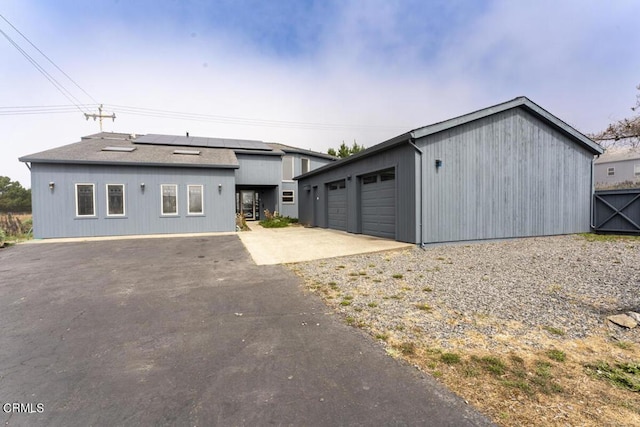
{"type": "Point", "coordinates": [378, 202]}
{"type": "Point", "coordinates": [337, 205]}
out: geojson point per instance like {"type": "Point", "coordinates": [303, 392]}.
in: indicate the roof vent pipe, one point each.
{"type": "Point", "coordinates": [187, 134]}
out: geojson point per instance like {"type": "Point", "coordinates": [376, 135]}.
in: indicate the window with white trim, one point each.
{"type": "Point", "coordinates": [636, 169]}
{"type": "Point", "coordinates": [195, 194]}
{"type": "Point", "coordinates": [611, 171]}
{"type": "Point", "coordinates": [304, 165]}
{"type": "Point", "coordinates": [287, 197]}
{"type": "Point", "coordinates": [85, 200]}
{"type": "Point", "coordinates": [287, 168]}
{"type": "Point", "coordinates": [169, 193]}
{"type": "Point", "coordinates": [115, 199]}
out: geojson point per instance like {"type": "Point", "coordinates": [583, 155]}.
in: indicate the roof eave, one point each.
{"type": "Point", "coordinates": [116, 163]}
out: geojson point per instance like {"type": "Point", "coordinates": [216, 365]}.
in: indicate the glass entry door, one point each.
{"type": "Point", "coordinates": [248, 204]}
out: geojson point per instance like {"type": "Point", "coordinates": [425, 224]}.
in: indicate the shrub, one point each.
{"type": "Point", "coordinates": [2, 238]}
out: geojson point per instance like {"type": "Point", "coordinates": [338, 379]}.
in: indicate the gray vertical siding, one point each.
{"type": "Point", "coordinates": [54, 211]}
{"type": "Point", "coordinates": [258, 169]}
{"type": "Point", "coordinates": [401, 158]}
{"type": "Point", "coordinates": [507, 175]}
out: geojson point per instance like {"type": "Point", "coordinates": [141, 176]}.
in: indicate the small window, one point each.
{"type": "Point", "coordinates": [371, 179]}
{"type": "Point", "coordinates": [336, 185]}
{"type": "Point", "coordinates": [305, 165]}
{"type": "Point", "coordinates": [389, 175]}
{"type": "Point", "coordinates": [195, 195]}
{"type": "Point", "coordinates": [636, 169]}
{"type": "Point", "coordinates": [115, 199]}
{"type": "Point", "coordinates": [287, 168]}
{"type": "Point", "coordinates": [85, 200]}
{"type": "Point", "coordinates": [169, 199]}
{"type": "Point", "coordinates": [611, 171]}
{"type": "Point", "coordinates": [287, 196]}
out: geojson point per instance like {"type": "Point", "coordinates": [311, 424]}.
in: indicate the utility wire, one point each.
{"type": "Point", "coordinates": [150, 112]}
{"type": "Point", "coordinates": [178, 115]}
{"type": "Point", "coordinates": [64, 91]}
{"type": "Point", "coordinates": [48, 59]}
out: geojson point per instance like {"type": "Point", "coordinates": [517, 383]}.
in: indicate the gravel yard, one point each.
{"type": "Point", "coordinates": [488, 293]}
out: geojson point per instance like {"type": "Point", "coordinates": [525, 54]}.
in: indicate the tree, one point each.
{"type": "Point", "coordinates": [13, 197]}
{"type": "Point", "coordinates": [345, 151]}
{"type": "Point", "coordinates": [625, 132]}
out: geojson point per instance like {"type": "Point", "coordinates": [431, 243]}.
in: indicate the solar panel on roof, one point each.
{"type": "Point", "coordinates": [195, 141]}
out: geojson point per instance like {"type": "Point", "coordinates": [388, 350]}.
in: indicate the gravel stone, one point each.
{"type": "Point", "coordinates": [561, 287]}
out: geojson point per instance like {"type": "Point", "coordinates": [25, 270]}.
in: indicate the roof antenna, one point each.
{"type": "Point", "coordinates": [187, 134]}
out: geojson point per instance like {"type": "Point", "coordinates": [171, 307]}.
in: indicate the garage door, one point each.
{"type": "Point", "coordinates": [378, 202]}
{"type": "Point", "coordinates": [337, 205]}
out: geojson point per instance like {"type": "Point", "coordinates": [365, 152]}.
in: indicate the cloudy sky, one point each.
{"type": "Point", "coordinates": [305, 73]}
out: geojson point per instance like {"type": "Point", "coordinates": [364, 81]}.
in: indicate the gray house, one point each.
{"type": "Point", "coordinates": [510, 170]}
{"type": "Point", "coordinates": [618, 169]}
{"type": "Point", "coordinates": [122, 184]}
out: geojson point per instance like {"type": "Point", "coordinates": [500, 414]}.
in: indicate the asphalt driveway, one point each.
{"type": "Point", "coordinates": [189, 331]}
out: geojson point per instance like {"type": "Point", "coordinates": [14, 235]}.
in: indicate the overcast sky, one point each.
{"type": "Point", "coordinates": [307, 73]}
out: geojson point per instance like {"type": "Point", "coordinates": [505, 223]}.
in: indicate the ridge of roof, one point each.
{"type": "Point", "coordinates": [520, 101]}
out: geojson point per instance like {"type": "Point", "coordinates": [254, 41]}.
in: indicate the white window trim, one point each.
{"type": "Point", "coordinates": [293, 196]}
{"type": "Point", "coordinates": [162, 200]}
{"type": "Point", "coordinates": [124, 200]}
{"type": "Point", "coordinates": [611, 171]}
{"type": "Point", "coordinates": [189, 199]}
{"type": "Point", "coordinates": [302, 160]}
{"type": "Point", "coordinates": [94, 200]}
{"type": "Point", "coordinates": [293, 163]}
{"type": "Point", "coordinates": [636, 169]}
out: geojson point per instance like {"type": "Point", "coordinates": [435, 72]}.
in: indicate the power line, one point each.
{"type": "Point", "coordinates": [48, 59]}
{"type": "Point", "coordinates": [178, 115]}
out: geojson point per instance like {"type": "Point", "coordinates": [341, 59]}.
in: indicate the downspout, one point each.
{"type": "Point", "coordinates": [411, 142]}
{"type": "Point", "coordinates": [593, 195]}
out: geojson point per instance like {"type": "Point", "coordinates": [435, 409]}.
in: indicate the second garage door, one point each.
{"type": "Point", "coordinates": [378, 202]}
{"type": "Point", "coordinates": [337, 205]}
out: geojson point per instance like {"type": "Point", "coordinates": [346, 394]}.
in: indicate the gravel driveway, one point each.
{"type": "Point", "coordinates": [485, 293]}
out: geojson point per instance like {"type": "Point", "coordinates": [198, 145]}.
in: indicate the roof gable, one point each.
{"type": "Point", "coordinates": [520, 102]}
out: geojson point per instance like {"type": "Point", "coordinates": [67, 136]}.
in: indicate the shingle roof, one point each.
{"type": "Point", "coordinates": [91, 150]}
{"type": "Point", "coordinates": [619, 155]}
{"type": "Point", "coordinates": [290, 149]}
{"type": "Point", "coordinates": [520, 102]}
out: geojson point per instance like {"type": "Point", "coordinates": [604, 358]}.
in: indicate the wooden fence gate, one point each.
{"type": "Point", "coordinates": [617, 211]}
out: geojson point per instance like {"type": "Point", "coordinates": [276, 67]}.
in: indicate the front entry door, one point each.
{"type": "Point", "coordinates": [248, 204]}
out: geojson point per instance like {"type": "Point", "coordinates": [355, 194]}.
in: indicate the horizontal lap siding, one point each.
{"type": "Point", "coordinates": [507, 175]}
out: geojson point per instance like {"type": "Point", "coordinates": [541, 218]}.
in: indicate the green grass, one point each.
{"type": "Point", "coordinates": [345, 302]}
{"type": "Point", "coordinates": [278, 222]}
{"type": "Point", "coordinates": [490, 364]}
{"type": "Point", "coordinates": [450, 358]}
{"type": "Point", "coordinates": [623, 375]}
{"type": "Point", "coordinates": [372, 304]}
{"type": "Point", "coordinates": [557, 355]}
{"type": "Point", "coordinates": [427, 289]}
{"type": "Point", "coordinates": [625, 345]}
{"type": "Point", "coordinates": [593, 237]}
{"type": "Point", "coordinates": [381, 336]}
{"type": "Point", "coordinates": [407, 348]}
{"type": "Point", "coordinates": [553, 330]}
{"type": "Point", "coordinates": [397, 276]}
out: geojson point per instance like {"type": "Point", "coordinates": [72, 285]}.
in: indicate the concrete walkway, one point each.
{"type": "Point", "coordinates": [269, 246]}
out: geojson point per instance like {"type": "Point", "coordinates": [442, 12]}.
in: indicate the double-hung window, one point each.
{"type": "Point", "coordinates": [304, 164]}
{"type": "Point", "coordinates": [85, 200]}
{"type": "Point", "coordinates": [169, 199]}
{"type": "Point", "coordinates": [115, 199]}
{"type": "Point", "coordinates": [195, 202]}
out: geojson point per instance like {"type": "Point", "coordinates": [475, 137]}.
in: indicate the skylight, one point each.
{"type": "Point", "coordinates": [187, 152]}
{"type": "Point", "coordinates": [120, 149]}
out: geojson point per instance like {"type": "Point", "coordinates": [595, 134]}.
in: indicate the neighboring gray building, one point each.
{"type": "Point", "coordinates": [121, 184]}
{"type": "Point", "coordinates": [618, 168]}
{"type": "Point", "coordinates": [510, 170]}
